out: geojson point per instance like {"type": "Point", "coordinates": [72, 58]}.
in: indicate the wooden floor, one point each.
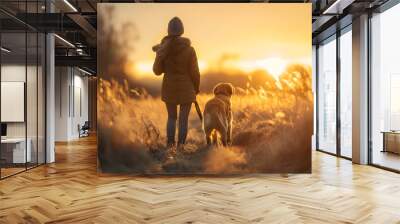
{"type": "Point", "coordinates": [5, 172]}
{"type": "Point", "coordinates": [71, 191]}
{"type": "Point", "coordinates": [387, 159]}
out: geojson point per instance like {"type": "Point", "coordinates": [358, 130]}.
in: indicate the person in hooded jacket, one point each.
{"type": "Point", "coordinates": [177, 60]}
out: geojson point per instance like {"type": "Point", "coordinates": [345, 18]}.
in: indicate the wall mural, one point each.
{"type": "Point", "coordinates": [204, 88]}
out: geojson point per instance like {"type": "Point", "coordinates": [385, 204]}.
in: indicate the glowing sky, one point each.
{"type": "Point", "coordinates": [253, 35]}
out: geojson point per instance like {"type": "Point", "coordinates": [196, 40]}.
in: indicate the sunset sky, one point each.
{"type": "Point", "coordinates": [250, 35]}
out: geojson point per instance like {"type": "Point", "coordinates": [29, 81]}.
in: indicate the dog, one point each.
{"type": "Point", "coordinates": [218, 115]}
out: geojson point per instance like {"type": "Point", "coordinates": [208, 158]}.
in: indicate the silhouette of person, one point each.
{"type": "Point", "coordinates": [177, 60]}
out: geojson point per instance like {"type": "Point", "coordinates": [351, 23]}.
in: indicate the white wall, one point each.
{"type": "Point", "coordinates": [71, 102]}
{"type": "Point", "coordinates": [80, 110]}
{"type": "Point", "coordinates": [13, 101]}
{"type": "Point", "coordinates": [15, 73]}
{"type": "Point", "coordinates": [12, 73]}
{"type": "Point", "coordinates": [33, 127]}
{"type": "Point", "coordinates": [61, 103]}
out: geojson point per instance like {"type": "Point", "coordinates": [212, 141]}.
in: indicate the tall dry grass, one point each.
{"type": "Point", "coordinates": [272, 128]}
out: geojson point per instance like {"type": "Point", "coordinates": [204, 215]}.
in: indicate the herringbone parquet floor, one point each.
{"type": "Point", "coordinates": [71, 191]}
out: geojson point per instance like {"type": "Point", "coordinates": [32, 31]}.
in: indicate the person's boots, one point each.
{"type": "Point", "coordinates": [171, 150]}
{"type": "Point", "coordinates": [180, 148]}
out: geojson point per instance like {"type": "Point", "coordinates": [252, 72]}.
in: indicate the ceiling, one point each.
{"type": "Point", "coordinates": [75, 22]}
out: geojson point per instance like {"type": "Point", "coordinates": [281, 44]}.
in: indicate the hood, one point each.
{"type": "Point", "coordinates": [175, 27]}
{"type": "Point", "coordinates": [175, 44]}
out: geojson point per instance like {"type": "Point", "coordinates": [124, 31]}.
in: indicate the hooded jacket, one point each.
{"type": "Point", "coordinates": [177, 59]}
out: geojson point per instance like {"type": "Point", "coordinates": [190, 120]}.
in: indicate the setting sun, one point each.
{"type": "Point", "coordinates": [144, 67]}
{"type": "Point", "coordinates": [234, 45]}
{"type": "Point", "coordinates": [273, 66]}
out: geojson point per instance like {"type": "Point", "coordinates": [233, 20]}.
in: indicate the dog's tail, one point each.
{"type": "Point", "coordinates": [198, 110]}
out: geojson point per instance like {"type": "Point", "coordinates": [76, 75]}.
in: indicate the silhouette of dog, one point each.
{"type": "Point", "coordinates": [218, 115]}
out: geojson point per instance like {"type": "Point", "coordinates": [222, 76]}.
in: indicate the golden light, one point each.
{"type": "Point", "coordinates": [144, 68]}
{"type": "Point", "coordinates": [202, 66]}
{"type": "Point", "coordinates": [274, 66]}
{"type": "Point", "coordinates": [129, 68]}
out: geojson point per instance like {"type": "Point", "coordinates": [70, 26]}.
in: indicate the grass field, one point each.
{"type": "Point", "coordinates": [271, 133]}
